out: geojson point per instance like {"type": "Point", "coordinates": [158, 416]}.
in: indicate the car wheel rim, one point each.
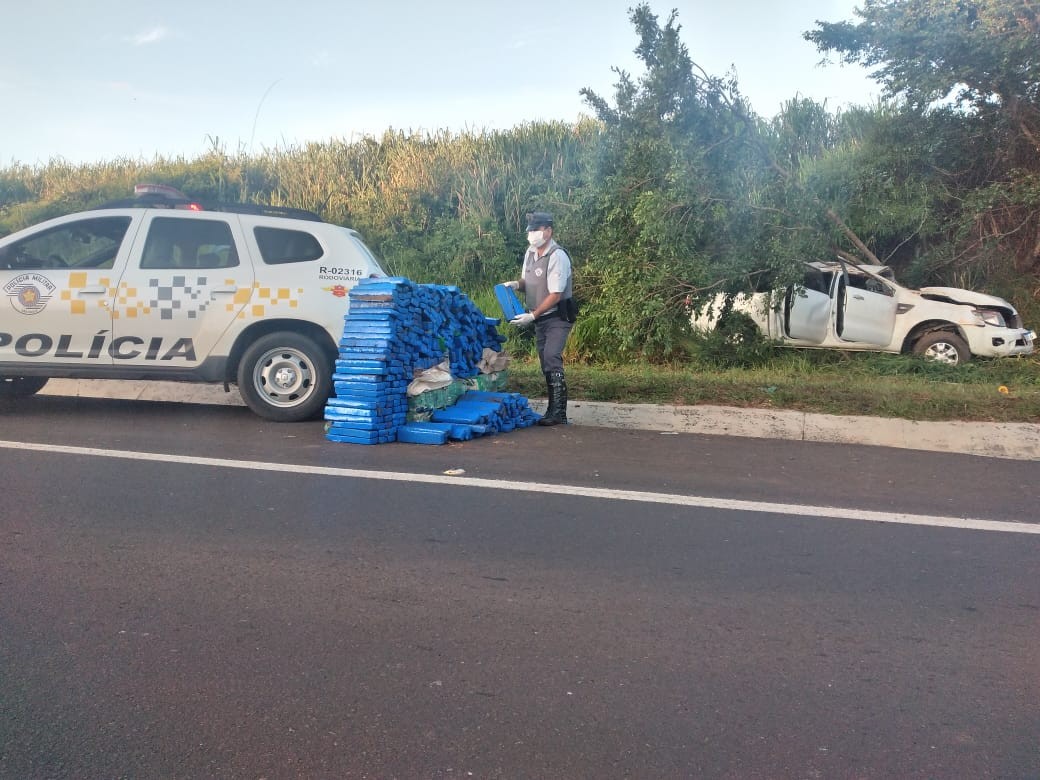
{"type": "Point", "coordinates": [942, 352]}
{"type": "Point", "coordinates": [284, 377]}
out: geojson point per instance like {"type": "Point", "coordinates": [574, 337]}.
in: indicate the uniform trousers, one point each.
{"type": "Point", "coordinates": [551, 334]}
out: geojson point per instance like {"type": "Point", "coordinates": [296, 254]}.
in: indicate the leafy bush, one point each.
{"type": "Point", "coordinates": [736, 342]}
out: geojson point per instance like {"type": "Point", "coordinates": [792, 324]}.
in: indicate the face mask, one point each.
{"type": "Point", "coordinates": [536, 238]}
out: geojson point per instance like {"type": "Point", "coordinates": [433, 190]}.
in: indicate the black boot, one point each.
{"type": "Point", "coordinates": [551, 393]}
{"type": "Point", "coordinates": [556, 412]}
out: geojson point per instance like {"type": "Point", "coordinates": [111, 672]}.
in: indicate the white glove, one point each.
{"type": "Point", "coordinates": [512, 285]}
{"type": "Point", "coordinates": [521, 320]}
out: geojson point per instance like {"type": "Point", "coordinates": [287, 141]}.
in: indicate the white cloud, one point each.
{"type": "Point", "coordinates": [148, 37]}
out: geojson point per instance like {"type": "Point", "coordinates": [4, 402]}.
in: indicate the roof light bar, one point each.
{"type": "Point", "coordinates": [163, 190]}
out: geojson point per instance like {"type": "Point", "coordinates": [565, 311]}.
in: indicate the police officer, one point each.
{"type": "Point", "coordinates": [545, 281]}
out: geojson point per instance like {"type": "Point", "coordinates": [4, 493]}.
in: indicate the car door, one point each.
{"type": "Point", "coordinates": [808, 309]}
{"type": "Point", "coordinates": [59, 282]}
{"type": "Point", "coordinates": [866, 309]}
{"type": "Point", "coordinates": [188, 278]}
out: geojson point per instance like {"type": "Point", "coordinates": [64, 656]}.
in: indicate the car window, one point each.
{"type": "Point", "coordinates": [189, 243]}
{"type": "Point", "coordinates": [817, 280]}
{"type": "Point", "coordinates": [88, 243]}
{"type": "Point", "coordinates": [278, 246]}
{"type": "Point", "coordinates": [869, 283]}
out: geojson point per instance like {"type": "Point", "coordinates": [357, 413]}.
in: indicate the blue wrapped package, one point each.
{"type": "Point", "coordinates": [414, 433]}
{"type": "Point", "coordinates": [511, 306]}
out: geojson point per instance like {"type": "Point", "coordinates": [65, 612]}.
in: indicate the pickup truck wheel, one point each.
{"type": "Point", "coordinates": [19, 386]}
{"type": "Point", "coordinates": [285, 377]}
{"type": "Point", "coordinates": [943, 347]}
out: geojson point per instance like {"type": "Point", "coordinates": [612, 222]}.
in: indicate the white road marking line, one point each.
{"type": "Point", "coordinates": [734, 505]}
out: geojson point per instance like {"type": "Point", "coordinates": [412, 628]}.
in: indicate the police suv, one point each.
{"type": "Point", "coordinates": [160, 287]}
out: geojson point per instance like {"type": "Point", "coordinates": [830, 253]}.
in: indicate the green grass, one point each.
{"type": "Point", "coordinates": [823, 382]}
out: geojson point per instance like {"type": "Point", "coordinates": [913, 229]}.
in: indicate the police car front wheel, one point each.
{"type": "Point", "coordinates": [285, 377]}
{"type": "Point", "coordinates": [17, 386]}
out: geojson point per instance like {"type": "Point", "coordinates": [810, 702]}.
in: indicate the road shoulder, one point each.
{"type": "Point", "coordinates": [1018, 441]}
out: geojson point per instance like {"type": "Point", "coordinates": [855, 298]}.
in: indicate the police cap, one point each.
{"type": "Point", "coordinates": [539, 219]}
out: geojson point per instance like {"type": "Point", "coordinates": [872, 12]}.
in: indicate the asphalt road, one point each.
{"type": "Point", "coordinates": [201, 616]}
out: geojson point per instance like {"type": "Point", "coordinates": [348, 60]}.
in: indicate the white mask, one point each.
{"type": "Point", "coordinates": [536, 238]}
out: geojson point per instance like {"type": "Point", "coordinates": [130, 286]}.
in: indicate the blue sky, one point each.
{"type": "Point", "coordinates": [106, 79]}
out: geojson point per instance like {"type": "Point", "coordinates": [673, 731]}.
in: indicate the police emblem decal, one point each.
{"type": "Point", "coordinates": [29, 293]}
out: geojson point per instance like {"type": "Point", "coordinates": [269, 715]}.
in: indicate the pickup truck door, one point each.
{"type": "Point", "coordinates": [867, 314]}
{"type": "Point", "coordinates": [807, 315]}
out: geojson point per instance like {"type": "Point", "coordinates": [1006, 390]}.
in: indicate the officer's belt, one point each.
{"type": "Point", "coordinates": [554, 313]}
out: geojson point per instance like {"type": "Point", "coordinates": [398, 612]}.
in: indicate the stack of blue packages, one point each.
{"type": "Point", "coordinates": [476, 413]}
{"type": "Point", "coordinates": [394, 328]}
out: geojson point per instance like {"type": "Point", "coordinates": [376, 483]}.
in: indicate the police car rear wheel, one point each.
{"type": "Point", "coordinates": [285, 377]}
{"type": "Point", "coordinates": [18, 386]}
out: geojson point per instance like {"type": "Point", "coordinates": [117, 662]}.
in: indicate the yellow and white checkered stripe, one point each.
{"type": "Point", "coordinates": [264, 297]}
{"type": "Point", "coordinates": [131, 304]}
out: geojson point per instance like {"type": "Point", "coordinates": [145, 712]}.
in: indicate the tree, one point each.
{"type": "Point", "coordinates": [672, 173]}
{"type": "Point", "coordinates": [696, 195]}
{"type": "Point", "coordinates": [984, 54]}
{"type": "Point", "coordinates": [982, 57]}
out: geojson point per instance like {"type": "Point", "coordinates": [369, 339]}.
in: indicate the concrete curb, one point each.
{"type": "Point", "coordinates": [1018, 441]}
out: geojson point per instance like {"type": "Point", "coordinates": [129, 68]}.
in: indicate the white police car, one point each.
{"type": "Point", "coordinates": [159, 287]}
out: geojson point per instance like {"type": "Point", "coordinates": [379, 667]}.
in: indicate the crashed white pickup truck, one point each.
{"type": "Point", "coordinates": [862, 307]}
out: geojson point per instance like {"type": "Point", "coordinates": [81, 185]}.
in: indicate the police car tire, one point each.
{"type": "Point", "coordinates": [19, 386]}
{"type": "Point", "coordinates": [285, 377]}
